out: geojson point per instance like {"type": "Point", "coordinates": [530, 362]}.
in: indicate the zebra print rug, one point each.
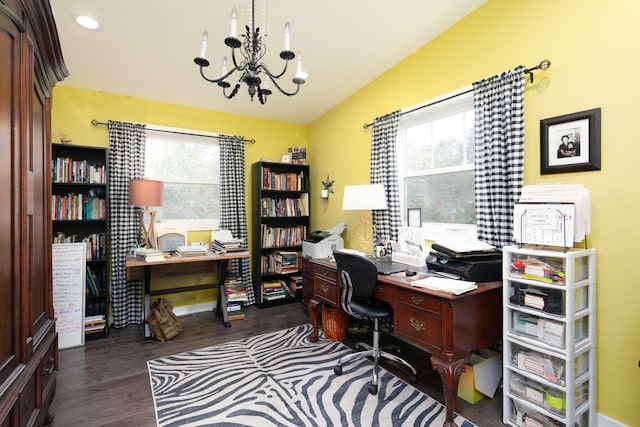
{"type": "Point", "coordinates": [283, 379]}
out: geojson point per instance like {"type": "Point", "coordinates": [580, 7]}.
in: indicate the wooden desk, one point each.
{"type": "Point", "coordinates": [447, 326]}
{"type": "Point", "coordinates": [180, 265]}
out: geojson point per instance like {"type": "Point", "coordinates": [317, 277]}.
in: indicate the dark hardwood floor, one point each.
{"type": "Point", "coordinates": [106, 383]}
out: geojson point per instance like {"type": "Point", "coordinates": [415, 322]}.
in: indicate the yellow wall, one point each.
{"type": "Point", "coordinates": [73, 109]}
{"type": "Point", "coordinates": [592, 48]}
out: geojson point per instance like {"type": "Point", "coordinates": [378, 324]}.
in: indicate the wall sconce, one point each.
{"type": "Point", "coordinates": [327, 188]}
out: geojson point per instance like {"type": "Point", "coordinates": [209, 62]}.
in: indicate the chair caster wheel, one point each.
{"type": "Point", "coordinates": [373, 389]}
{"type": "Point", "coordinates": [413, 379]}
{"type": "Point", "coordinates": [337, 370]}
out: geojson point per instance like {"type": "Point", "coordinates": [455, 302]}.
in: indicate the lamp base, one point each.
{"type": "Point", "coordinates": [148, 228]}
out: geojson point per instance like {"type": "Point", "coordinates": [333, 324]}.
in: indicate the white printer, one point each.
{"type": "Point", "coordinates": [321, 244]}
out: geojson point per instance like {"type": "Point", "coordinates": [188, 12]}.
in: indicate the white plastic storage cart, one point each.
{"type": "Point", "coordinates": [549, 337]}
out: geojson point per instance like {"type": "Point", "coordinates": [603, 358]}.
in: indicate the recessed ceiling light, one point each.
{"type": "Point", "coordinates": [87, 21]}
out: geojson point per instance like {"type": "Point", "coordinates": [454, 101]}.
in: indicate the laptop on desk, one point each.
{"type": "Point", "coordinates": [389, 267]}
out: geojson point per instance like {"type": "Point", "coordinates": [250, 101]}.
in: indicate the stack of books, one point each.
{"type": "Point", "coordinates": [148, 255]}
{"type": "Point", "coordinates": [95, 285]}
{"type": "Point", "coordinates": [295, 285]}
{"type": "Point", "coordinates": [234, 311]}
{"type": "Point", "coordinates": [192, 250]}
{"type": "Point", "coordinates": [224, 245]}
{"type": "Point", "coordinates": [286, 262]}
{"type": "Point", "coordinates": [273, 290]}
{"type": "Point", "coordinates": [93, 324]}
{"type": "Point", "coordinates": [236, 294]}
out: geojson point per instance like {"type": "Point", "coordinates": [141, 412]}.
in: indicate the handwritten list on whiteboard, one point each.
{"type": "Point", "coordinates": [69, 289]}
{"type": "Point", "coordinates": [549, 224]}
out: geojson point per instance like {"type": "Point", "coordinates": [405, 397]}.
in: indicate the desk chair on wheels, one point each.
{"type": "Point", "coordinates": [358, 276]}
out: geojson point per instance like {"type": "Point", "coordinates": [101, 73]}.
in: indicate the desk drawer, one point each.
{"type": "Point", "coordinates": [420, 327]}
{"type": "Point", "coordinates": [326, 274]}
{"type": "Point", "coordinates": [421, 301]}
{"type": "Point", "coordinates": [327, 291]}
{"type": "Point", "coordinates": [384, 292]}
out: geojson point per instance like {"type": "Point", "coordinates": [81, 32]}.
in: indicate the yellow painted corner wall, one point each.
{"type": "Point", "coordinates": [591, 45]}
{"type": "Point", "coordinates": [73, 109]}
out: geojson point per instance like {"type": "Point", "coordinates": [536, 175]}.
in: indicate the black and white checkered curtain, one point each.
{"type": "Point", "coordinates": [384, 170]}
{"type": "Point", "coordinates": [126, 162]}
{"type": "Point", "coordinates": [499, 135]}
{"type": "Point", "coordinates": [233, 212]}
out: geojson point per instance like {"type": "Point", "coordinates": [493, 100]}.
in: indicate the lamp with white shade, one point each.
{"type": "Point", "coordinates": [146, 193]}
{"type": "Point", "coordinates": [365, 198]}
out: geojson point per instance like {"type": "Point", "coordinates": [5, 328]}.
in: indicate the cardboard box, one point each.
{"type": "Point", "coordinates": [481, 376]}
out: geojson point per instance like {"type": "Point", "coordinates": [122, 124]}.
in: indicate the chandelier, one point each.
{"type": "Point", "coordinates": [247, 66]}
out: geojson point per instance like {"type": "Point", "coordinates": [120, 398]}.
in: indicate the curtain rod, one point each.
{"type": "Point", "coordinates": [94, 122]}
{"type": "Point", "coordinates": [543, 65]}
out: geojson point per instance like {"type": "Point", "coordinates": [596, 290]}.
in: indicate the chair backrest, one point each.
{"type": "Point", "coordinates": [358, 276]}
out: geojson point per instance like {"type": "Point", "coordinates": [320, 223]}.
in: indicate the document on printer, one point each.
{"type": "Point", "coordinates": [442, 284]}
{"type": "Point", "coordinates": [464, 246]}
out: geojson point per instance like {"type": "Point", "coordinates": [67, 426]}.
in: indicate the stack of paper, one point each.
{"type": "Point", "coordinates": [442, 284]}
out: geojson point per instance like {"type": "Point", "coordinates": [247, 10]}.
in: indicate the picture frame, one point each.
{"type": "Point", "coordinates": [414, 217]}
{"type": "Point", "coordinates": [570, 143]}
{"type": "Point", "coordinates": [285, 158]}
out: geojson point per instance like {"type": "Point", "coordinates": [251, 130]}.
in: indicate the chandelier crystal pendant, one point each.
{"type": "Point", "coordinates": [248, 67]}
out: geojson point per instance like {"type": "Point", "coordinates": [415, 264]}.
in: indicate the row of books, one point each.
{"type": "Point", "coordinates": [274, 237]}
{"type": "Point", "coordinates": [65, 170]}
{"type": "Point", "coordinates": [298, 155]}
{"type": "Point", "coordinates": [96, 244]}
{"type": "Point", "coordinates": [269, 262]}
{"type": "Point", "coordinates": [282, 181]}
{"type": "Point", "coordinates": [96, 282]}
{"type": "Point", "coordinates": [96, 323]}
{"type": "Point", "coordinates": [271, 207]}
{"type": "Point", "coordinates": [77, 206]}
{"type": "Point", "coordinates": [273, 290]}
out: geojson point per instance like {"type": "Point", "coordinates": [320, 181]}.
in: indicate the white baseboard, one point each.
{"type": "Point", "coordinates": [604, 421]}
{"type": "Point", "coordinates": [184, 310]}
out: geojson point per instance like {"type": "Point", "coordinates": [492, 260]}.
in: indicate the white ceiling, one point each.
{"type": "Point", "coordinates": [145, 48]}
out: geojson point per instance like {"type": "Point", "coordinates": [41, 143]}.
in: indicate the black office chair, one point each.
{"type": "Point", "coordinates": [358, 276]}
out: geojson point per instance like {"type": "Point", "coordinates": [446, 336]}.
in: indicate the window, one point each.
{"type": "Point", "coordinates": [189, 166]}
{"type": "Point", "coordinates": [436, 161]}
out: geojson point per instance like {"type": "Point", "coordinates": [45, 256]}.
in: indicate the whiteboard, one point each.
{"type": "Point", "coordinates": [69, 290]}
{"type": "Point", "coordinates": [549, 224]}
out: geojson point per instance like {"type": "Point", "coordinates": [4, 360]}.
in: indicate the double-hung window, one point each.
{"type": "Point", "coordinates": [435, 150]}
{"type": "Point", "coordinates": [189, 166]}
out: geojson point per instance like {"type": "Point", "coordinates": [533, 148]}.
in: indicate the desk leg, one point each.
{"type": "Point", "coordinates": [312, 309]}
{"type": "Point", "coordinates": [147, 303]}
{"type": "Point", "coordinates": [450, 373]}
{"type": "Point", "coordinates": [222, 303]}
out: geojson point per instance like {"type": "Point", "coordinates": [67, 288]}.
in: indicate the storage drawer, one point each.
{"type": "Point", "coordinates": [326, 274]}
{"type": "Point", "coordinates": [384, 292]}
{"type": "Point", "coordinates": [423, 328]}
{"type": "Point", "coordinates": [28, 401]}
{"type": "Point", "coordinates": [327, 290]}
{"type": "Point", "coordinates": [419, 301]}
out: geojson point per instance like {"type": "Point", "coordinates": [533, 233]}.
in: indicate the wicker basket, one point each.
{"type": "Point", "coordinates": [334, 323]}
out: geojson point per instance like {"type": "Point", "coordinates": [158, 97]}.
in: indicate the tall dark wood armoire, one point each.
{"type": "Point", "coordinates": [30, 64]}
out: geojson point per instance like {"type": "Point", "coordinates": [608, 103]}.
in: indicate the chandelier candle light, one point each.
{"type": "Point", "coordinates": [364, 198]}
{"type": "Point", "coordinates": [249, 68]}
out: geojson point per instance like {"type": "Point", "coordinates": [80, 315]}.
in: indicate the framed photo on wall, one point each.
{"type": "Point", "coordinates": [570, 143]}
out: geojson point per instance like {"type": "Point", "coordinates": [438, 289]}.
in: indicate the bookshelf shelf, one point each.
{"type": "Point", "coordinates": [280, 223]}
{"type": "Point", "coordinates": [79, 214]}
